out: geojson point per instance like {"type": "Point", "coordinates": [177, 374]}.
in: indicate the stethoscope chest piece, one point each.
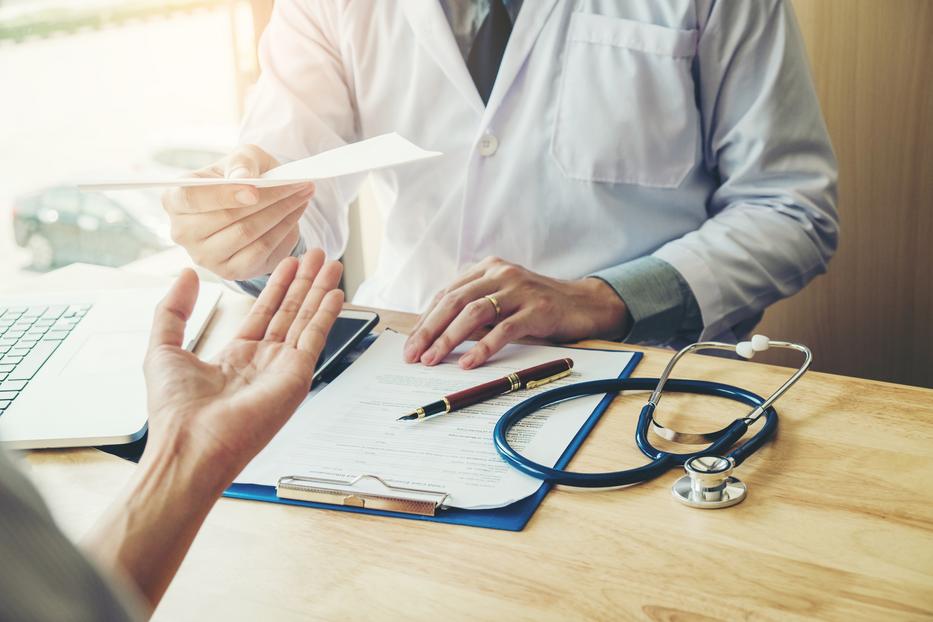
{"type": "Point", "coordinates": [709, 484]}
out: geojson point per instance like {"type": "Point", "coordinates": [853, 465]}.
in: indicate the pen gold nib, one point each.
{"type": "Point", "coordinates": [418, 414]}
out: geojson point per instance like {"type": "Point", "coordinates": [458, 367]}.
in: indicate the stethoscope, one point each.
{"type": "Point", "coordinates": [709, 482]}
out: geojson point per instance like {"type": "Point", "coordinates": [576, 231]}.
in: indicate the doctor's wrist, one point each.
{"type": "Point", "coordinates": [609, 313]}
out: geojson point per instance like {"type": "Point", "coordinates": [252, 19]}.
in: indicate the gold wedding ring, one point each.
{"type": "Point", "coordinates": [495, 305]}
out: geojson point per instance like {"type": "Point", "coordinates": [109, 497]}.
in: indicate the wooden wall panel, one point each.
{"type": "Point", "coordinates": [871, 315]}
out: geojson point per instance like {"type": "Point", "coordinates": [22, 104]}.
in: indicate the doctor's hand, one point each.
{"type": "Point", "coordinates": [237, 231]}
{"type": "Point", "coordinates": [226, 410]}
{"type": "Point", "coordinates": [529, 305]}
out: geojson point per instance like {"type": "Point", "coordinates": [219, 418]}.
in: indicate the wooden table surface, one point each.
{"type": "Point", "coordinates": [838, 523]}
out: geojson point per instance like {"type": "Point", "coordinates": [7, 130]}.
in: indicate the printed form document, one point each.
{"type": "Point", "coordinates": [349, 427]}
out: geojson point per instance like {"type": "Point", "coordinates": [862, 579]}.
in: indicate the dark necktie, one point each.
{"type": "Point", "coordinates": [488, 48]}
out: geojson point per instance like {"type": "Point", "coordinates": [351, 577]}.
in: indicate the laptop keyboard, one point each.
{"type": "Point", "coordinates": [28, 337]}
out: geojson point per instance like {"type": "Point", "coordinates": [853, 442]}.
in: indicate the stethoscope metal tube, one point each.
{"type": "Point", "coordinates": [708, 483]}
{"type": "Point", "coordinates": [745, 349]}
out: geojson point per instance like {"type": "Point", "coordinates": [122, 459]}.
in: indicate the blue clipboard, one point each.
{"type": "Point", "coordinates": [512, 517]}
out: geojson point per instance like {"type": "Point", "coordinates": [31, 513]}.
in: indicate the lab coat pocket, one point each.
{"type": "Point", "coordinates": [626, 111]}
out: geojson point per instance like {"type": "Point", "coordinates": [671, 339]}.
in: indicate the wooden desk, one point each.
{"type": "Point", "coordinates": [838, 523]}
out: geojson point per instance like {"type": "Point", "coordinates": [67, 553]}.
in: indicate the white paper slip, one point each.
{"type": "Point", "coordinates": [367, 155]}
{"type": "Point", "coordinates": [349, 428]}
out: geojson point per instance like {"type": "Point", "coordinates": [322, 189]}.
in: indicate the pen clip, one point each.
{"type": "Point", "coordinates": [531, 384]}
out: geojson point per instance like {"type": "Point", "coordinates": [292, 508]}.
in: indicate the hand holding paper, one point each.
{"type": "Point", "coordinates": [239, 217]}
{"type": "Point", "coordinates": [236, 230]}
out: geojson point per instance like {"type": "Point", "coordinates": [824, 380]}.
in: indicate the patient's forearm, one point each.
{"type": "Point", "coordinates": [148, 529]}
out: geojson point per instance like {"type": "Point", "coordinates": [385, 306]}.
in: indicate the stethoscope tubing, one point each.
{"type": "Point", "coordinates": [661, 461]}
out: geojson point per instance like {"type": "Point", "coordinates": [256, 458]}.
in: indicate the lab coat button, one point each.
{"type": "Point", "coordinates": [488, 145]}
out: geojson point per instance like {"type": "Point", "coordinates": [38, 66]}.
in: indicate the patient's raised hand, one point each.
{"type": "Point", "coordinates": [221, 413]}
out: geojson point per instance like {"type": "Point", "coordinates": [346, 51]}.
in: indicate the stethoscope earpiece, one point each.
{"type": "Point", "coordinates": [747, 349]}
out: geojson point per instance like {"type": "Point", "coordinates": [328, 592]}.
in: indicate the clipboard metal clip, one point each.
{"type": "Point", "coordinates": [364, 491]}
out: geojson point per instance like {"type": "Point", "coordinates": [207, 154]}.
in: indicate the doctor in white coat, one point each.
{"type": "Point", "coordinates": [649, 170]}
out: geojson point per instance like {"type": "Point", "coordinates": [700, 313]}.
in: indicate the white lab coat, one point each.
{"type": "Point", "coordinates": [684, 129]}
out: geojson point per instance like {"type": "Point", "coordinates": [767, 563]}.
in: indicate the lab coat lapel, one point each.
{"type": "Point", "coordinates": [530, 21]}
{"type": "Point", "coordinates": [433, 32]}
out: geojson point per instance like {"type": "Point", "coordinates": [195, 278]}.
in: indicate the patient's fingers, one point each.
{"type": "Point", "coordinates": [255, 324]}
{"type": "Point", "coordinates": [327, 279]}
{"type": "Point", "coordinates": [307, 271]}
{"type": "Point", "coordinates": [314, 335]}
{"type": "Point", "coordinates": [168, 325]}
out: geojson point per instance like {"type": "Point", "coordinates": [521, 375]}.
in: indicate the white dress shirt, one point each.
{"type": "Point", "coordinates": [685, 130]}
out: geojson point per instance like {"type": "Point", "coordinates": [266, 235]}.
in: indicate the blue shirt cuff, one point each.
{"type": "Point", "coordinates": [662, 305]}
{"type": "Point", "coordinates": [253, 287]}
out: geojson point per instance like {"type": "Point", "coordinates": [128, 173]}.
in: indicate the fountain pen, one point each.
{"type": "Point", "coordinates": [524, 379]}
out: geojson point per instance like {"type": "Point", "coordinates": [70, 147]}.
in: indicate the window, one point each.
{"type": "Point", "coordinates": [95, 88]}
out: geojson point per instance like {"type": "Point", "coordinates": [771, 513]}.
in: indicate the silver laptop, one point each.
{"type": "Point", "coordinates": [71, 365]}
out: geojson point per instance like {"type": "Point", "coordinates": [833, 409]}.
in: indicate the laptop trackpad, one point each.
{"type": "Point", "coordinates": [107, 353]}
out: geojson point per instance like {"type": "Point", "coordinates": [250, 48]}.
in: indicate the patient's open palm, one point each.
{"type": "Point", "coordinates": [229, 408]}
